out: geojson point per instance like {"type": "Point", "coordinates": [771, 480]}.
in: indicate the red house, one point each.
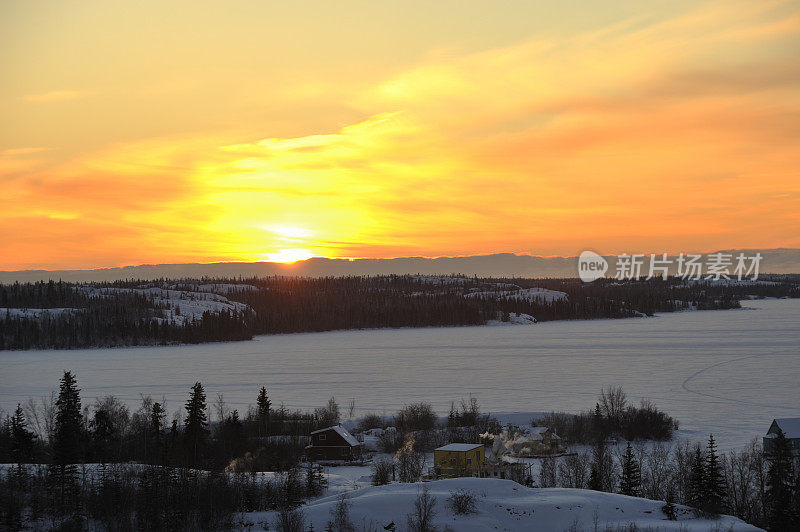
{"type": "Point", "coordinates": [333, 443]}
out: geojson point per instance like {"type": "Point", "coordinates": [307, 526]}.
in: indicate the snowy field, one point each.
{"type": "Point", "coordinates": [506, 505]}
{"type": "Point", "coordinates": [726, 372]}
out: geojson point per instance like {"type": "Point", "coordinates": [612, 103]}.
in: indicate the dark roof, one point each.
{"type": "Point", "coordinates": [340, 430]}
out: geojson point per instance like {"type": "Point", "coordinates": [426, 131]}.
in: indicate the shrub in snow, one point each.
{"type": "Point", "coordinates": [421, 518]}
{"type": "Point", "coordinates": [340, 516]}
{"type": "Point", "coordinates": [290, 521]}
{"type": "Point", "coordinates": [381, 471]}
{"type": "Point", "coordinates": [463, 502]}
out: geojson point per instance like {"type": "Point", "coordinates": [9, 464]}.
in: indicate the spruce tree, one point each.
{"type": "Point", "coordinates": [23, 441]}
{"type": "Point", "coordinates": [600, 475]}
{"type": "Point", "coordinates": [315, 480]}
{"type": "Point", "coordinates": [715, 483]}
{"type": "Point", "coordinates": [631, 478]}
{"type": "Point", "coordinates": [264, 405]}
{"type": "Point", "coordinates": [68, 431]}
{"type": "Point", "coordinates": [594, 479]}
{"type": "Point", "coordinates": [598, 423]}
{"type": "Point", "coordinates": [696, 488]}
{"type": "Point", "coordinates": [780, 477]}
{"type": "Point", "coordinates": [67, 446]}
{"type": "Point", "coordinates": [195, 432]}
{"type": "Point", "coordinates": [156, 428]}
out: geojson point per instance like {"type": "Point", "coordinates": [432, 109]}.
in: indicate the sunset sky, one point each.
{"type": "Point", "coordinates": [164, 132]}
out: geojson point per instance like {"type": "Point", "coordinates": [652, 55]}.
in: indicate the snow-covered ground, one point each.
{"type": "Point", "coordinates": [506, 505]}
{"type": "Point", "coordinates": [179, 305]}
{"type": "Point", "coordinates": [514, 318]}
{"type": "Point", "coordinates": [217, 288]}
{"type": "Point", "coordinates": [727, 372]}
{"type": "Point", "coordinates": [534, 295]}
{"type": "Point", "coordinates": [35, 313]}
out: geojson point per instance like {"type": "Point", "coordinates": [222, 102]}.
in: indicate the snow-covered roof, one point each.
{"type": "Point", "coordinates": [341, 431]}
{"type": "Point", "coordinates": [790, 426]}
{"type": "Point", "coordinates": [538, 430]}
{"type": "Point", "coordinates": [460, 447]}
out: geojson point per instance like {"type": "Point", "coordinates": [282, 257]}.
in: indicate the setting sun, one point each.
{"type": "Point", "coordinates": [289, 255]}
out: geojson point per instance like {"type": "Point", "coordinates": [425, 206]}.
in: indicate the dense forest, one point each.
{"type": "Point", "coordinates": [68, 315]}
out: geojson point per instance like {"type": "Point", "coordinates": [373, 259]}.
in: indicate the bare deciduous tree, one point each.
{"type": "Point", "coordinates": [574, 470]}
{"type": "Point", "coordinates": [613, 402]}
{"type": "Point", "coordinates": [421, 519]}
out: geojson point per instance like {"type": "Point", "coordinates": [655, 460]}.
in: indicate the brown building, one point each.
{"type": "Point", "coordinates": [333, 443]}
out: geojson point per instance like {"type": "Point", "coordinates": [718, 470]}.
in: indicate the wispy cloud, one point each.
{"type": "Point", "coordinates": [55, 96]}
{"type": "Point", "coordinates": [15, 152]}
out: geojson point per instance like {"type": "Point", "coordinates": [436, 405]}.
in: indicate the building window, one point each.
{"type": "Point", "coordinates": [345, 451]}
{"type": "Point", "coordinates": [321, 437]}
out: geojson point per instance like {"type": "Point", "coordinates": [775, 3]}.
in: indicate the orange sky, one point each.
{"type": "Point", "coordinates": [133, 132]}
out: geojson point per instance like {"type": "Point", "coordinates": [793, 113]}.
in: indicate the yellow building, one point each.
{"type": "Point", "coordinates": [459, 460]}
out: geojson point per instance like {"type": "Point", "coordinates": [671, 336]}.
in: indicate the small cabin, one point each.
{"type": "Point", "coordinates": [459, 460]}
{"type": "Point", "coordinates": [333, 444]}
{"type": "Point", "coordinates": [791, 430]}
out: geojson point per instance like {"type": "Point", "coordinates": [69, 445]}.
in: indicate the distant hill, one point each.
{"type": "Point", "coordinates": [496, 265]}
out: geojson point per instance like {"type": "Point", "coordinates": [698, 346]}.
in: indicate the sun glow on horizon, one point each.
{"type": "Point", "coordinates": [612, 125]}
{"type": "Point", "coordinates": [288, 256]}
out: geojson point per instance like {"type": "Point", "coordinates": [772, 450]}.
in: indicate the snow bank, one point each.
{"type": "Point", "coordinates": [506, 505]}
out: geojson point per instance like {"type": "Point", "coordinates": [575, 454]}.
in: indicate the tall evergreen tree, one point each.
{"type": "Point", "coordinates": [156, 425]}
{"type": "Point", "coordinates": [594, 479]}
{"type": "Point", "coordinates": [23, 441]}
{"type": "Point", "coordinates": [155, 429]}
{"type": "Point", "coordinates": [781, 512]}
{"type": "Point", "coordinates": [195, 432]}
{"type": "Point", "coordinates": [264, 405]}
{"type": "Point", "coordinates": [598, 423]}
{"type": "Point", "coordinates": [67, 448]}
{"type": "Point", "coordinates": [601, 475]}
{"type": "Point", "coordinates": [715, 482]}
{"type": "Point", "coordinates": [696, 487]}
{"type": "Point", "coordinates": [631, 479]}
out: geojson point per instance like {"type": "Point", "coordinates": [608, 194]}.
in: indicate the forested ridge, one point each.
{"type": "Point", "coordinates": [65, 315]}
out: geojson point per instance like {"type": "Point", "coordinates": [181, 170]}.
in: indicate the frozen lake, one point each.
{"type": "Point", "coordinates": [726, 372]}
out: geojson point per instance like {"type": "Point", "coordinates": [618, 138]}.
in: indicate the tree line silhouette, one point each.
{"type": "Point", "coordinates": [120, 316]}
